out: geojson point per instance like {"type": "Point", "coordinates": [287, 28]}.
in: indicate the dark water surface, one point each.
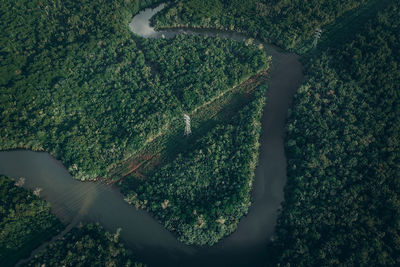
{"type": "Point", "coordinates": [74, 201]}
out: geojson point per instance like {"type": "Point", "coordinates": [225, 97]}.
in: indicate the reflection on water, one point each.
{"type": "Point", "coordinates": [97, 202]}
{"type": "Point", "coordinates": [72, 200]}
{"type": "Point", "coordinates": [140, 24]}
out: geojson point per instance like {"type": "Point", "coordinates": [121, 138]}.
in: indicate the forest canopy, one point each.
{"type": "Point", "coordinates": [75, 82]}
{"type": "Point", "coordinates": [202, 194]}
{"type": "Point", "coordinates": [289, 24]}
{"type": "Point", "coordinates": [86, 245]}
{"type": "Point", "coordinates": [25, 221]}
{"type": "Point", "coordinates": [342, 202]}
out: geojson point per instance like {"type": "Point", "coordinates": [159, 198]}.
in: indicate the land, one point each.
{"type": "Point", "coordinates": [342, 196]}
{"type": "Point", "coordinates": [86, 245]}
{"type": "Point", "coordinates": [204, 191]}
{"type": "Point", "coordinates": [289, 25]}
{"type": "Point", "coordinates": [91, 93]}
{"type": "Point", "coordinates": [109, 104]}
{"type": "Point", "coordinates": [25, 221]}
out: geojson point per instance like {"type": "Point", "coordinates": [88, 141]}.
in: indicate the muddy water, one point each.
{"type": "Point", "coordinates": [75, 201]}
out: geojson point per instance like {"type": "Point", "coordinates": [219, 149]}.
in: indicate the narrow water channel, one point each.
{"type": "Point", "coordinates": [97, 202]}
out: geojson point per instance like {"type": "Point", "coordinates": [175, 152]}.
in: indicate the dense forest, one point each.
{"type": "Point", "coordinates": [289, 24]}
{"type": "Point", "coordinates": [86, 245]}
{"type": "Point", "coordinates": [342, 203]}
{"type": "Point", "coordinates": [202, 194]}
{"type": "Point", "coordinates": [77, 83]}
{"type": "Point", "coordinates": [25, 221]}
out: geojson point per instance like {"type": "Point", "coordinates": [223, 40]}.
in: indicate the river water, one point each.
{"type": "Point", "coordinates": [74, 201]}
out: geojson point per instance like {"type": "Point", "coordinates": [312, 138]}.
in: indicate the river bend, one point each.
{"type": "Point", "coordinates": [74, 201]}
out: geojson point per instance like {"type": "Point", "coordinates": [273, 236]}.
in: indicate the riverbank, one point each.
{"type": "Point", "coordinates": [98, 202]}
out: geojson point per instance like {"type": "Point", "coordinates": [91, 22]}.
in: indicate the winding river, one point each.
{"type": "Point", "coordinates": [74, 201]}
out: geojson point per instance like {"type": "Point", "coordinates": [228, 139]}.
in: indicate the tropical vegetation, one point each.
{"type": "Point", "coordinates": [77, 83]}
{"type": "Point", "coordinates": [202, 194]}
{"type": "Point", "coordinates": [86, 245]}
{"type": "Point", "coordinates": [342, 205]}
{"type": "Point", "coordinates": [289, 24]}
{"type": "Point", "coordinates": [25, 221]}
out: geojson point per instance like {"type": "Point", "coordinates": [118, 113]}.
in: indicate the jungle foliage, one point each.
{"type": "Point", "coordinates": [289, 24]}
{"type": "Point", "coordinates": [342, 203]}
{"type": "Point", "coordinates": [25, 222]}
{"type": "Point", "coordinates": [202, 194]}
{"type": "Point", "coordinates": [86, 245]}
{"type": "Point", "coordinates": [74, 81]}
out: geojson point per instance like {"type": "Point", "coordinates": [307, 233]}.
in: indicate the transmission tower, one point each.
{"type": "Point", "coordinates": [187, 124]}
{"type": "Point", "coordinates": [317, 36]}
